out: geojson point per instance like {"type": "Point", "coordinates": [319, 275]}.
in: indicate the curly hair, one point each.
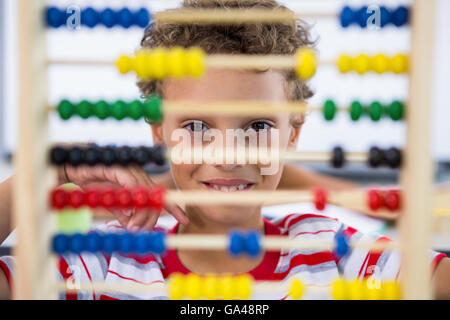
{"type": "Point", "coordinates": [262, 38]}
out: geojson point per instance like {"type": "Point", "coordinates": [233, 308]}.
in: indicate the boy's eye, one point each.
{"type": "Point", "coordinates": [259, 125]}
{"type": "Point", "coordinates": [196, 126]}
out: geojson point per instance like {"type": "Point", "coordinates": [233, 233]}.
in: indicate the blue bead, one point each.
{"type": "Point", "coordinates": [400, 16]}
{"type": "Point", "coordinates": [108, 18]}
{"type": "Point", "coordinates": [55, 18]}
{"type": "Point", "coordinates": [237, 243]}
{"type": "Point", "coordinates": [157, 242]}
{"type": "Point", "coordinates": [126, 242]}
{"type": "Point", "coordinates": [385, 16]}
{"type": "Point", "coordinates": [342, 247]}
{"type": "Point", "coordinates": [142, 243]}
{"type": "Point", "coordinates": [110, 243]}
{"type": "Point", "coordinates": [90, 17]}
{"type": "Point", "coordinates": [60, 243]}
{"type": "Point", "coordinates": [125, 18]}
{"type": "Point", "coordinates": [362, 16]}
{"type": "Point", "coordinates": [77, 243]}
{"type": "Point", "coordinates": [252, 245]}
{"type": "Point", "coordinates": [93, 242]}
{"type": "Point", "coordinates": [142, 18]}
{"type": "Point", "coordinates": [347, 17]}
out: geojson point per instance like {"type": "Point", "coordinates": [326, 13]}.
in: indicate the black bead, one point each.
{"type": "Point", "coordinates": [141, 156]}
{"type": "Point", "coordinates": [157, 154]}
{"type": "Point", "coordinates": [91, 156]}
{"type": "Point", "coordinates": [393, 158]}
{"type": "Point", "coordinates": [75, 156]}
{"type": "Point", "coordinates": [376, 157]}
{"type": "Point", "coordinates": [58, 156]}
{"type": "Point", "coordinates": [108, 156]}
{"type": "Point", "coordinates": [338, 157]}
{"type": "Point", "coordinates": [123, 155]}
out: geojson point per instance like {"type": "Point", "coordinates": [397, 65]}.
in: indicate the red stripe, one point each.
{"type": "Point", "coordinates": [7, 273]}
{"type": "Point", "coordinates": [135, 280]}
{"type": "Point", "coordinates": [373, 257]}
{"type": "Point", "coordinates": [308, 216]}
{"type": "Point", "coordinates": [349, 232]}
{"type": "Point", "coordinates": [316, 232]}
{"type": "Point", "coordinates": [105, 297]}
{"type": "Point", "coordinates": [88, 274]}
{"type": "Point", "coordinates": [436, 260]}
{"type": "Point", "coordinates": [283, 222]}
{"type": "Point", "coordinates": [66, 273]}
{"type": "Point", "coordinates": [305, 259]}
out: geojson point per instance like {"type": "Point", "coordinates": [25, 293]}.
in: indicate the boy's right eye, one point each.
{"type": "Point", "coordinates": [196, 126]}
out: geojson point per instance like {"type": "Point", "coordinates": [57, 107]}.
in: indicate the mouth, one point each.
{"type": "Point", "coordinates": [228, 185]}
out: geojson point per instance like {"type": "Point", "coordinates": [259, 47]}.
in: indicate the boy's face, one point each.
{"type": "Point", "coordinates": [226, 85]}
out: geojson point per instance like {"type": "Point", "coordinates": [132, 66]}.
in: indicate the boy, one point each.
{"type": "Point", "coordinates": [313, 267]}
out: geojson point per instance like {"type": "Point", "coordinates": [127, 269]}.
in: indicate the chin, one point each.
{"type": "Point", "coordinates": [232, 216]}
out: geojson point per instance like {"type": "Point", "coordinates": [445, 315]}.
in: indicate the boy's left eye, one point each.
{"type": "Point", "coordinates": [260, 125]}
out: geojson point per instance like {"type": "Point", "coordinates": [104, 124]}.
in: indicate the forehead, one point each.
{"type": "Point", "coordinates": [221, 85]}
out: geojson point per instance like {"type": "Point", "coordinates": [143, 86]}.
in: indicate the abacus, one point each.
{"type": "Point", "coordinates": [35, 179]}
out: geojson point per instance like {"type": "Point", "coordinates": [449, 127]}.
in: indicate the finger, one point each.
{"type": "Point", "coordinates": [138, 219]}
{"type": "Point", "coordinates": [177, 213]}
{"type": "Point", "coordinates": [151, 221]}
{"type": "Point", "coordinates": [122, 216]}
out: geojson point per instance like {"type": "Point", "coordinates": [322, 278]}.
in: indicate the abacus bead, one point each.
{"type": "Point", "coordinates": [60, 243]}
{"type": "Point", "coordinates": [252, 245]}
{"type": "Point", "coordinates": [157, 196]}
{"type": "Point", "coordinates": [362, 16]}
{"type": "Point", "coordinates": [76, 243]}
{"type": "Point", "coordinates": [108, 17]}
{"type": "Point", "coordinates": [59, 155]}
{"type": "Point", "coordinates": [107, 156]}
{"type": "Point", "coordinates": [210, 287]}
{"type": "Point", "coordinates": [195, 62]}
{"type": "Point", "coordinates": [124, 64]}
{"type": "Point", "coordinates": [125, 18]}
{"type": "Point", "coordinates": [158, 242]}
{"type": "Point", "coordinates": [176, 286]}
{"type": "Point", "coordinates": [141, 65]}
{"type": "Point", "coordinates": [243, 286]}
{"type": "Point", "coordinates": [395, 110]}
{"type": "Point", "coordinates": [176, 58]}
{"type": "Point", "coordinates": [193, 285]}
{"type": "Point", "coordinates": [84, 109]}
{"type": "Point", "coordinates": [393, 158]}
{"type": "Point", "coordinates": [341, 245]}
{"type": "Point", "coordinates": [375, 157]}
{"type": "Point", "coordinates": [152, 109]}
{"type": "Point", "coordinates": [140, 198]}
{"type": "Point", "coordinates": [93, 198]}
{"type": "Point", "coordinates": [320, 198]}
{"type": "Point", "coordinates": [356, 290]}
{"type": "Point", "coordinates": [142, 18]}
{"type": "Point", "coordinates": [345, 64]}
{"type": "Point", "coordinates": [93, 242]}
{"type": "Point", "coordinates": [371, 290]}
{"type": "Point", "coordinates": [110, 243]}
{"type": "Point", "coordinates": [347, 17]}
{"type": "Point", "coordinates": [123, 156]}
{"type": "Point", "coordinates": [59, 198]}
{"type": "Point", "coordinates": [135, 110]}
{"type": "Point", "coordinates": [385, 16]}
{"type": "Point", "coordinates": [141, 243]}
{"type": "Point", "coordinates": [126, 241]}
{"type": "Point", "coordinates": [158, 156]}
{"type": "Point", "coordinates": [140, 155]}
{"type": "Point", "coordinates": [338, 157]}
{"type": "Point", "coordinates": [90, 17]}
{"type": "Point", "coordinates": [380, 63]}
{"type": "Point", "coordinates": [124, 198]}
{"type": "Point", "coordinates": [158, 63]}
{"type": "Point", "coordinates": [101, 110]}
{"type": "Point", "coordinates": [375, 111]}
{"type": "Point", "coordinates": [339, 289]}
{"type": "Point", "coordinates": [119, 110]}
{"type": "Point", "coordinates": [236, 245]}
{"type": "Point", "coordinates": [329, 110]}
{"type": "Point", "coordinates": [108, 199]}
{"type": "Point", "coordinates": [226, 286]}
{"type": "Point", "coordinates": [91, 156]}
{"type": "Point", "coordinates": [391, 290]}
{"type": "Point", "coordinates": [399, 64]}
{"type": "Point", "coordinates": [362, 64]}
{"type": "Point", "coordinates": [400, 16]}
{"type": "Point", "coordinates": [55, 17]}
{"type": "Point", "coordinates": [297, 289]}
{"type": "Point", "coordinates": [75, 156]}
{"type": "Point", "coordinates": [356, 110]}
{"type": "Point", "coordinates": [66, 109]}
{"type": "Point", "coordinates": [374, 199]}
{"type": "Point", "coordinates": [76, 198]}
{"type": "Point", "coordinates": [392, 200]}
{"type": "Point", "coordinates": [306, 63]}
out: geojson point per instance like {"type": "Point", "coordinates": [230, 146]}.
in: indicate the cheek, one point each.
{"type": "Point", "coordinates": [182, 175]}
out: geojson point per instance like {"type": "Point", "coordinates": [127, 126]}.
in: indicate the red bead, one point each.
{"type": "Point", "coordinates": [320, 198]}
{"type": "Point", "coordinates": [123, 198]}
{"type": "Point", "coordinates": [59, 198]}
{"type": "Point", "coordinates": [157, 195]}
{"type": "Point", "coordinates": [392, 200]}
{"type": "Point", "coordinates": [108, 199]}
{"type": "Point", "coordinates": [76, 198]}
{"type": "Point", "coordinates": [141, 198]}
{"type": "Point", "coordinates": [93, 198]}
{"type": "Point", "coordinates": [375, 199]}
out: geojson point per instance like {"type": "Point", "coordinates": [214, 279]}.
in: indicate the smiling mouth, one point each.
{"type": "Point", "coordinates": [228, 185]}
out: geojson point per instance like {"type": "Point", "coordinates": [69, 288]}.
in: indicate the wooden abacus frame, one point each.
{"type": "Point", "coordinates": [36, 266]}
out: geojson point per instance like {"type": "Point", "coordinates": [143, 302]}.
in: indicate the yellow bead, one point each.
{"type": "Point", "coordinates": [193, 287]}
{"type": "Point", "coordinates": [243, 286]}
{"type": "Point", "coordinates": [339, 290]}
{"type": "Point", "coordinates": [141, 65]}
{"type": "Point", "coordinates": [306, 63]}
{"type": "Point", "coordinates": [226, 287]}
{"type": "Point", "coordinates": [399, 64]}
{"type": "Point", "coordinates": [345, 63]}
{"type": "Point", "coordinates": [176, 286]}
{"type": "Point", "coordinates": [176, 59]}
{"type": "Point", "coordinates": [157, 59]}
{"type": "Point", "coordinates": [361, 64]}
{"type": "Point", "coordinates": [210, 287]}
{"type": "Point", "coordinates": [124, 64]}
{"type": "Point", "coordinates": [297, 289]}
{"type": "Point", "coordinates": [195, 62]}
{"type": "Point", "coordinates": [391, 290]}
{"type": "Point", "coordinates": [372, 290]}
{"type": "Point", "coordinates": [356, 290]}
{"type": "Point", "coordinates": [380, 63]}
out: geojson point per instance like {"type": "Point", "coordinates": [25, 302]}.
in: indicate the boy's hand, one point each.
{"type": "Point", "coordinates": [115, 176]}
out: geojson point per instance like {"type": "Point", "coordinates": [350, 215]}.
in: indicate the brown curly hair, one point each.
{"type": "Point", "coordinates": [264, 38]}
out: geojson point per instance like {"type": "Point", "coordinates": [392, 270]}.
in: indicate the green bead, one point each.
{"type": "Point", "coordinates": [66, 109]}
{"type": "Point", "coordinates": [152, 109]}
{"type": "Point", "coordinates": [395, 110]}
{"type": "Point", "coordinates": [329, 110]}
{"type": "Point", "coordinates": [375, 111]}
{"type": "Point", "coordinates": [356, 110]}
{"type": "Point", "coordinates": [119, 110]}
{"type": "Point", "coordinates": [101, 110]}
{"type": "Point", "coordinates": [135, 110]}
{"type": "Point", "coordinates": [84, 109]}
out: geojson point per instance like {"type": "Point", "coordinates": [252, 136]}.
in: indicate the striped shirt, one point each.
{"type": "Point", "coordinates": [315, 268]}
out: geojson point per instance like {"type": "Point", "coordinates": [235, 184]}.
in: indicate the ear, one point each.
{"type": "Point", "coordinates": [293, 137]}
{"type": "Point", "coordinates": [157, 133]}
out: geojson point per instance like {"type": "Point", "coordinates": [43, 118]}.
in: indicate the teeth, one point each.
{"type": "Point", "coordinates": [216, 186]}
{"type": "Point", "coordinates": [229, 189]}
{"type": "Point", "coordinates": [241, 187]}
{"type": "Point", "coordinates": [232, 189]}
{"type": "Point", "coordinates": [224, 189]}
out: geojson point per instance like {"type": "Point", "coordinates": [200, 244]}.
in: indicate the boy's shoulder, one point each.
{"type": "Point", "coordinates": [297, 224]}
